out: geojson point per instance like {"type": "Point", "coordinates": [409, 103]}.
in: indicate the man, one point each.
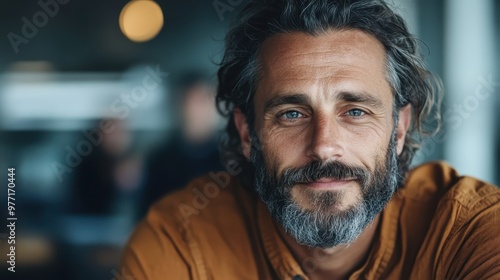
{"type": "Point", "coordinates": [328, 100]}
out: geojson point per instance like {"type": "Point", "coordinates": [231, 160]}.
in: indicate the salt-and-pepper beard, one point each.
{"type": "Point", "coordinates": [325, 226]}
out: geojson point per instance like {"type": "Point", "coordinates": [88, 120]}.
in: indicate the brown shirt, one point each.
{"type": "Point", "coordinates": [438, 226]}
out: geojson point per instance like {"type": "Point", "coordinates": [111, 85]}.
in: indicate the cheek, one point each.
{"type": "Point", "coordinates": [283, 149]}
{"type": "Point", "coordinates": [368, 147]}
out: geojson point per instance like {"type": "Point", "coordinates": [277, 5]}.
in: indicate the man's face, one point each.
{"type": "Point", "coordinates": [324, 143]}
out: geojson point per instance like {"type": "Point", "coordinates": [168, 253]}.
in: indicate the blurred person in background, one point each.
{"type": "Point", "coordinates": [192, 149]}
{"type": "Point", "coordinates": [109, 172]}
{"type": "Point", "coordinates": [103, 202]}
{"type": "Point", "coordinates": [328, 101]}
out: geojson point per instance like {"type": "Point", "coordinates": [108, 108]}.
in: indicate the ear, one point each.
{"type": "Point", "coordinates": [242, 126]}
{"type": "Point", "coordinates": [403, 125]}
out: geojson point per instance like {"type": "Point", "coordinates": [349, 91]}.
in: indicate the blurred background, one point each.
{"type": "Point", "coordinates": [107, 105]}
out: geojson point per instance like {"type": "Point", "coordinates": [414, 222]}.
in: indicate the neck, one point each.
{"type": "Point", "coordinates": [332, 263]}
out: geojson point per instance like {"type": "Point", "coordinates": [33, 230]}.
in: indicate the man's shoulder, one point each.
{"type": "Point", "coordinates": [451, 221]}
{"type": "Point", "coordinates": [184, 230]}
{"type": "Point", "coordinates": [194, 227]}
{"type": "Point", "coordinates": [438, 180]}
{"type": "Point", "coordinates": [463, 213]}
{"type": "Point", "coordinates": [201, 198]}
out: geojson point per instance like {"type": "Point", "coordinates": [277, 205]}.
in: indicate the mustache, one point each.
{"type": "Point", "coordinates": [316, 170]}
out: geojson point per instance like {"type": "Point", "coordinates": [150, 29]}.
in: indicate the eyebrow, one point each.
{"type": "Point", "coordinates": [361, 97]}
{"type": "Point", "coordinates": [303, 99]}
{"type": "Point", "coordinates": [296, 98]}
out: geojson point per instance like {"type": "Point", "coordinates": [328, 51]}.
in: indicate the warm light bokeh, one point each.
{"type": "Point", "coordinates": [141, 20]}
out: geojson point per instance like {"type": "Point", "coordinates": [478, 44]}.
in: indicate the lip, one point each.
{"type": "Point", "coordinates": [327, 183]}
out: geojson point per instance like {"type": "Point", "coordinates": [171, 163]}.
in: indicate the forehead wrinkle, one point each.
{"type": "Point", "coordinates": [299, 56]}
{"type": "Point", "coordinates": [341, 42]}
{"type": "Point", "coordinates": [322, 76]}
{"type": "Point", "coordinates": [285, 68]}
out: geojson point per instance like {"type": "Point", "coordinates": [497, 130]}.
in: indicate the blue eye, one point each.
{"type": "Point", "coordinates": [291, 115]}
{"type": "Point", "coordinates": [355, 113]}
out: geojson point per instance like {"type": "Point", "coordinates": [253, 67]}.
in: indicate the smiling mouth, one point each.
{"type": "Point", "coordinates": [328, 183]}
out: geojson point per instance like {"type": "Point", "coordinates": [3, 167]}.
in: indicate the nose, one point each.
{"type": "Point", "coordinates": [326, 142]}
